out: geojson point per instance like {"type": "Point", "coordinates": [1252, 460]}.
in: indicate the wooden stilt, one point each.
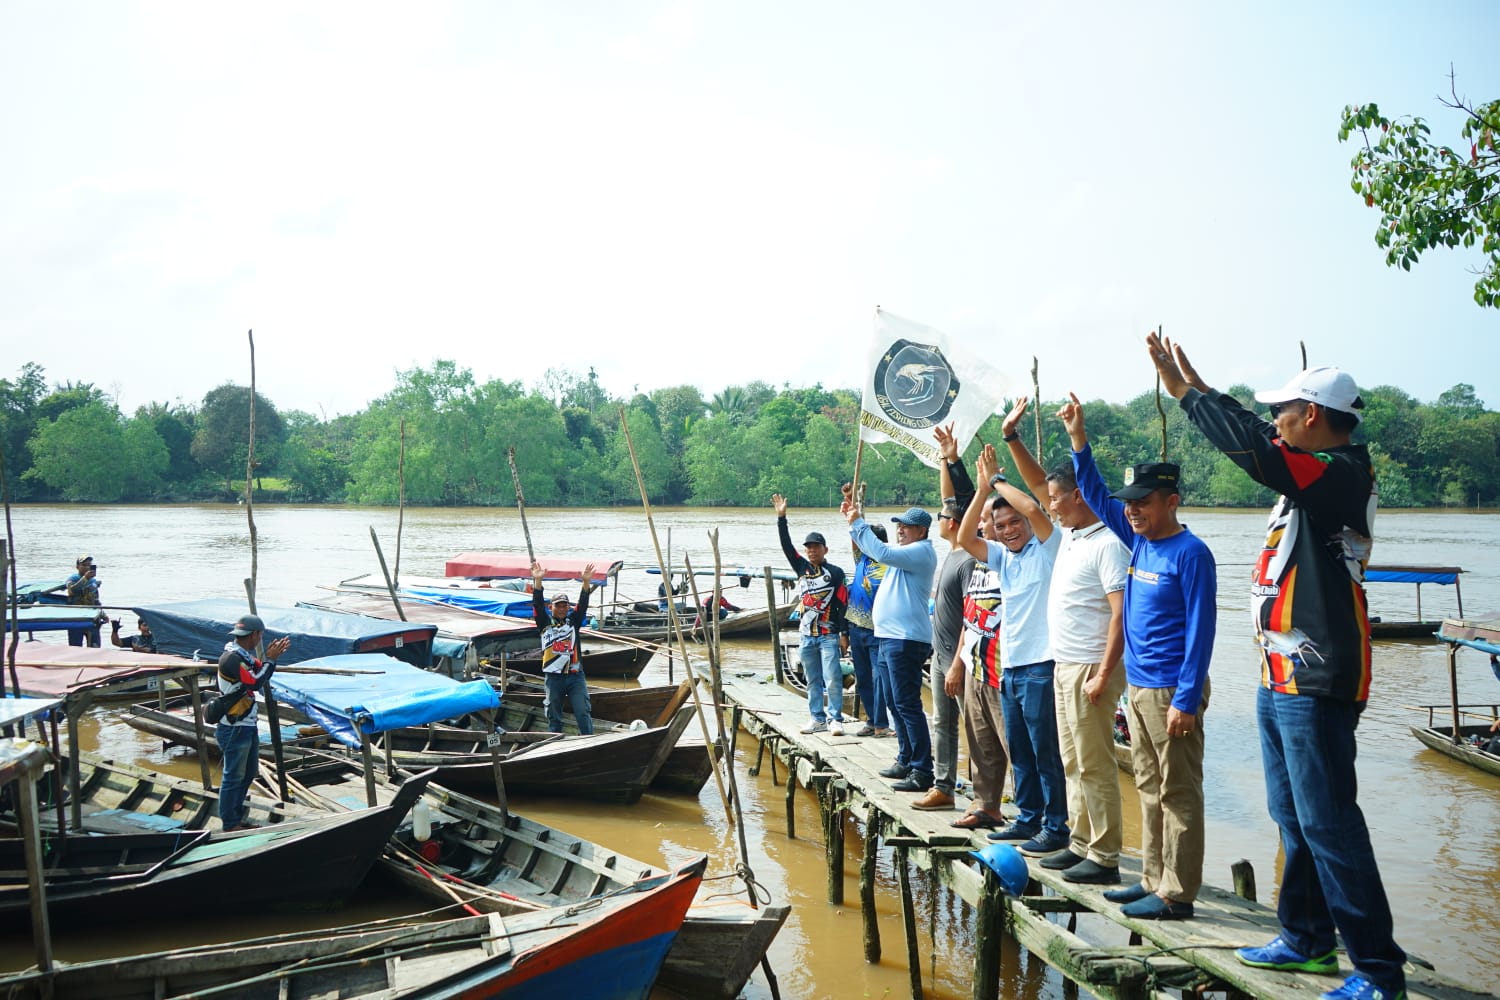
{"type": "Point", "coordinates": [987, 938]}
{"type": "Point", "coordinates": [196, 698]}
{"type": "Point", "coordinates": [760, 753]}
{"type": "Point", "coordinates": [367, 759]}
{"type": "Point", "coordinates": [909, 921]}
{"type": "Point", "coordinates": [833, 823]}
{"type": "Point", "coordinates": [791, 792]}
{"type": "Point", "coordinates": [867, 885]}
{"type": "Point", "coordinates": [1244, 879]}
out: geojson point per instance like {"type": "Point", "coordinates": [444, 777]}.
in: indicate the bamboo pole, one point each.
{"type": "Point", "coordinates": [672, 617]}
{"type": "Point", "coordinates": [1036, 410]}
{"type": "Point", "coordinates": [250, 480]}
{"type": "Point", "coordinates": [515, 478]}
{"type": "Point", "coordinates": [400, 498]}
{"type": "Point", "coordinates": [1160, 411]}
{"type": "Point", "coordinates": [776, 659]}
{"type": "Point", "coordinates": [390, 585]}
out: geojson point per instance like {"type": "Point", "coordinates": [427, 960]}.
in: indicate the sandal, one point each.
{"type": "Point", "coordinates": [977, 820]}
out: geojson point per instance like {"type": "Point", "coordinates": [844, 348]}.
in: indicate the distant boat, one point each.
{"type": "Point", "coordinates": [1457, 739]}
{"type": "Point", "coordinates": [1382, 627]}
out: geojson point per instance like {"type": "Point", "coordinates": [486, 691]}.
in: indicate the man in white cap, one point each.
{"type": "Point", "coordinates": [1308, 602]}
{"type": "Point", "coordinates": [238, 732]}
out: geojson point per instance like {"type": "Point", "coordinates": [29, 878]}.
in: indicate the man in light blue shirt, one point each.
{"type": "Point", "coordinates": [1024, 550]}
{"type": "Point", "coordinates": [903, 628]}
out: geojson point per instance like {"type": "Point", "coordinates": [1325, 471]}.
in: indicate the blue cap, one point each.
{"type": "Point", "coordinates": [915, 517]}
{"type": "Point", "coordinates": [1004, 860]}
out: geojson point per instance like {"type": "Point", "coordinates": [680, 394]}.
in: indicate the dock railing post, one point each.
{"type": "Point", "coordinates": [775, 627]}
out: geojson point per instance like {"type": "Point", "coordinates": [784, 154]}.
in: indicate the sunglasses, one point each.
{"type": "Point", "coordinates": [1278, 408]}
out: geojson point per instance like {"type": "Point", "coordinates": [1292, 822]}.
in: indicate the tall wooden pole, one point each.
{"type": "Point", "coordinates": [400, 500]}
{"type": "Point", "coordinates": [1036, 410]}
{"type": "Point", "coordinates": [515, 477]}
{"type": "Point", "coordinates": [249, 484]}
{"type": "Point", "coordinates": [1160, 411]}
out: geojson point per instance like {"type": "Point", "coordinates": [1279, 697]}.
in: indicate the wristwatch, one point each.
{"type": "Point", "coordinates": [997, 479]}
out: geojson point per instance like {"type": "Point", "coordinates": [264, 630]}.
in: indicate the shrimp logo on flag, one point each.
{"type": "Point", "coordinates": [920, 378]}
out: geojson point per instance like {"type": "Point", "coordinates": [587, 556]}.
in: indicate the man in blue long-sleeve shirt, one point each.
{"type": "Point", "coordinates": [1169, 638]}
{"type": "Point", "coordinates": [903, 628]}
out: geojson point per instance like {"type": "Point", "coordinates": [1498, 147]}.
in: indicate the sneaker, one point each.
{"type": "Point", "coordinates": [814, 726]}
{"type": "Point", "coordinates": [936, 799]}
{"type": "Point", "coordinates": [866, 730]}
{"type": "Point", "coordinates": [1153, 907]}
{"type": "Point", "coordinates": [1092, 873]}
{"type": "Point", "coordinates": [1014, 832]}
{"type": "Point", "coordinates": [1045, 843]}
{"type": "Point", "coordinates": [1064, 858]}
{"type": "Point", "coordinates": [836, 727]}
{"type": "Point", "coordinates": [895, 771]}
{"type": "Point", "coordinates": [916, 781]}
{"type": "Point", "coordinates": [1279, 955]}
{"type": "Point", "coordinates": [1357, 987]}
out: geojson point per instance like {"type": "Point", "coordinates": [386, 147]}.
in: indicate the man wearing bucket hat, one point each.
{"type": "Point", "coordinates": [1307, 599]}
{"type": "Point", "coordinates": [903, 628]}
{"type": "Point", "coordinates": [1169, 625]}
{"type": "Point", "coordinates": [238, 731]}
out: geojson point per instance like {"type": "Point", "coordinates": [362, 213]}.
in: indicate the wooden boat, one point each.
{"type": "Point", "coordinates": [1456, 739]}
{"type": "Point", "coordinates": [614, 766]}
{"type": "Point", "coordinates": [315, 862]}
{"type": "Point", "coordinates": [613, 948]}
{"type": "Point", "coordinates": [500, 861]}
{"type": "Point", "coordinates": [611, 704]}
{"type": "Point", "coordinates": [1382, 627]}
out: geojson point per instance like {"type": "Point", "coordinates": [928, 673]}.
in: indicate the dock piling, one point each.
{"type": "Point", "coordinates": [909, 920]}
{"type": "Point", "coordinates": [867, 884]}
{"type": "Point", "coordinates": [987, 940]}
{"type": "Point", "coordinates": [1244, 879]}
{"type": "Point", "coordinates": [833, 822]}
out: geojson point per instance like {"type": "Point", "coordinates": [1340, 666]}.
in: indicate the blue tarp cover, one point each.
{"type": "Point", "coordinates": [491, 602]}
{"type": "Point", "coordinates": [396, 694]}
{"type": "Point", "coordinates": [56, 617]}
{"type": "Point", "coordinates": [186, 627]}
{"type": "Point", "coordinates": [1408, 576]}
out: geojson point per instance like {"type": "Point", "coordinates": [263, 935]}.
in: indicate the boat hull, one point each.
{"type": "Point", "coordinates": [1440, 738]}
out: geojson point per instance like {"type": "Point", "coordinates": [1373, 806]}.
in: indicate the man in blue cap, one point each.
{"type": "Point", "coordinates": [904, 630]}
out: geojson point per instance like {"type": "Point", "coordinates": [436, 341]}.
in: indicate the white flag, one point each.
{"type": "Point", "coordinates": [919, 378]}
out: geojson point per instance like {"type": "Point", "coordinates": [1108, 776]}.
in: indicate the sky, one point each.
{"type": "Point", "coordinates": [712, 193]}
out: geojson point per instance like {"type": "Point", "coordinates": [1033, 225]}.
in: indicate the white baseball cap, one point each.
{"type": "Point", "coordinates": [1325, 386]}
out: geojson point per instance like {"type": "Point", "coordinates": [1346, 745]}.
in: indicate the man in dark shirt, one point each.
{"type": "Point", "coordinates": [823, 593]}
{"type": "Point", "coordinates": [562, 667]}
{"type": "Point", "coordinates": [1308, 601]}
{"type": "Point", "coordinates": [83, 591]}
{"type": "Point", "coordinates": [238, 732]}
{"type": "Point", "coordinates": [142, 642]}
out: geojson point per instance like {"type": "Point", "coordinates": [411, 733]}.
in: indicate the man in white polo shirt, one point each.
{"type": "Point", "coordinates": [1084, 610]}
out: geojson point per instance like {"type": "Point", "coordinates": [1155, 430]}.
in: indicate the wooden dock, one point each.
{"type": "Point", "coordinates": [1147, 959]}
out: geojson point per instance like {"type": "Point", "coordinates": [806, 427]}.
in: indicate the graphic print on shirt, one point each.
{"type": "Point", "coordinates": [559, 645]}
{"type": "Point", "coordinates": [816, 590]}
{"type": "Point", "coordinates": [979, 647]}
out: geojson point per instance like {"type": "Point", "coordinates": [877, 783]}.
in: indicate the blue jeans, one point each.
{"type": "Point", "coordinates": [1329, 879]}
{"type": "Point", "coordinates": [575, 689]}
{"type": "Point", "coordinates": [863, 650]}
{"type": "Point", "coordinates": [240, 746]}
{"type": "Point", "coordinates": [1029, 707]}
{"type": "Point", "coordinates": [903, 661]}
{"type": "Point", "coordinates": [77, 637]}
{"type": "Point", "coordinates": [820, 665]}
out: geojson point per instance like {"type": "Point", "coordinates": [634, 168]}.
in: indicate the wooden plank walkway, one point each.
{"type": "Point", "coordinates": [1190, 956]}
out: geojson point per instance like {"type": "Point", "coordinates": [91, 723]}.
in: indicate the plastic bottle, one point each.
{"type": "Point", "coordinates": [421, 821]}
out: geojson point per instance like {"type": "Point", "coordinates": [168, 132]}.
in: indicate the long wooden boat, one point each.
{"type": "Point", "coordinates": [1383, 627]}
{"type": "Point", "coordinates": [611, 704]}
{"type": "Point", "coordinates": [613, 949]}
{"type": "Point", "coordinates": [1440, 738]}
{"type": "Point", "coordinates": [1456, 738]}
{"type": "Point", "coordinates": [503, 862]}
{"type": "Point", "coordinates": [614, 766]}
{"type": "Point", "coordinates": [315, 862]}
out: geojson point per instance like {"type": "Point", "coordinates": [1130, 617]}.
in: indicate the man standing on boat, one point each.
{"type": "Point", "coordinates": [562, 667]}
{"type": "Point", "coordinates": [957, 489]}
{"type": "Point", "coordinates": [903, 628]}
{"type": "Point", "coordinates": [1085, 611]}
{"type": "Point", "coordinates": [1308, 602]}
{"type": "Point", "coordinates": [823, 595]}
{"type": "Point", "coordinates": [238, 732]}
{"type": "Point", "coordinates": [83, 591]}
{"type": "Point", "coordinates": [1022, 551]}
{"type": "Point", "coordinates": [1170, 621]}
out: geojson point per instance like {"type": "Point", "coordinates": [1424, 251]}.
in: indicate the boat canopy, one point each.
{"type": "Point", "coordinates": [385, 694]}
{"type": "Point", "coordinates": [202, 627]}
{"type": "Point", "coordinates": [517, 565]}
{"type": "Point", "coordinates": [56, 671]}
{"type": "Point", "coordinates": [489, 602]}
{"type": "Point", "coordinates": [1483, 636]}
{"type": "Point", "coordinates": [1412, 574]}
{"type": "Point", "coordinates": [56, 617]}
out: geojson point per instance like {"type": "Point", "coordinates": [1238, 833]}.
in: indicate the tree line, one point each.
{"type": "Point", "coordinates": [448, 437]}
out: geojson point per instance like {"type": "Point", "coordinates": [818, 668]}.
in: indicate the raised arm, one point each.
{"type": "Point", "coordinates": [1026, 465]}
{"type": "Point", "coordinates": [793, 557]}
{"type": "Point", "coordinates": [1090, 483]}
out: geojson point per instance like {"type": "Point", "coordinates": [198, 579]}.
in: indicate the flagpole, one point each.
{"type": "Point", "coordinates": [859, 455]}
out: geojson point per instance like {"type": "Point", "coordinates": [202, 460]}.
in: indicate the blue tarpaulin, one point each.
{"type": "Point", "coordinates": [491, 602]}
{"type": "Point", "coordinates": [202, 627]}
{"type": "Point", "coordinates": [386, 694]}
{"type": "Point", "coordinates": [1413, 575]}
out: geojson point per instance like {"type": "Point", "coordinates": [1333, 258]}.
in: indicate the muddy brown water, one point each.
{"type": "Point", "coordinates": [1434, 821]}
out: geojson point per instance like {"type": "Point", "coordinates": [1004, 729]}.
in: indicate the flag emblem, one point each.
{"type": "Point", "coordinates": [915, 386]}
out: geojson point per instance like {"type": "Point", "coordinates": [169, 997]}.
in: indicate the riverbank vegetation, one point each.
{"type": "Point", "coordinates": [69, 441]}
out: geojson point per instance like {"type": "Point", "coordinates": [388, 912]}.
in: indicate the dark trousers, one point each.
{"type": "Point", "coordinates": [570, 689]}
{"type": "Point", "coordinates": [904, 659]}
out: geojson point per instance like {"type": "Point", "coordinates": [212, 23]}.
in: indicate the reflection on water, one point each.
{"type": "Point", "coordinates": [1433, 820]}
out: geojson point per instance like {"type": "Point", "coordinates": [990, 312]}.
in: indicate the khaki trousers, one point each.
{"type": "Point", "coordinates": [1086, 732]}
{"type": "Point", "coordinates": [985, 732]}
{"type": "Point", "coordinates": [1169, 779]}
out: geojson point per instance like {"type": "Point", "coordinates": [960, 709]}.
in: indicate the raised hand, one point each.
{"type": "Point", "coordinates": [587, 576]}
{"type": "Point", "coordinates": [1013, 418]}
{"type": "Point", "coordinates": [1177, 373]}
{"type": "Point", "coordinates": [277, 647]}
{"type": "Point", "coordinates": [946, 442]}
{"type": "Point", "coordinates": [851, 511]}
{"type": "Point", "coordinates": [778, 503]}
{"type": "Point", "coordinates": [537, 572]}
{"type": "Point", "coordinates": [1071, 414]}
{"type": "Point", "coordinates": [987, 465]}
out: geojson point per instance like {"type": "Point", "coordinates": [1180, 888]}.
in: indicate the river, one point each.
{"type": "Point", "coordinates": [1433, 820]}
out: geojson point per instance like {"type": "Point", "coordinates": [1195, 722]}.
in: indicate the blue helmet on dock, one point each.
{"type": "Point", "coordinates": [1007, 862]}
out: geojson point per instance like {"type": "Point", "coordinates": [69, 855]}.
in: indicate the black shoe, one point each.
{"type": "Point", "coordinates": [914, 782]}
{"type": "Point", "coordinates": [1091, 873]}
{"type": "Point", "coordinates": [895, 771]}
{"type": "Point", "coordinates": [1063, 859]}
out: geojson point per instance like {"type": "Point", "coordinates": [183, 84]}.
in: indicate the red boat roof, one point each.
{"type": "Point", "coordinates": [517, 565]}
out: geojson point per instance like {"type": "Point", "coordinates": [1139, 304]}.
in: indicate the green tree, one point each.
{"type": "Point", "coordinates": [18, 421]}
{"type": "Point", "coordinates": [174, 425]}
{"type": "Point", "coordinates": [222, 439]}
{"type": "Point", "coordinates": [88, 454]}
{"type": "Point", "coordinates": [1428, 194]}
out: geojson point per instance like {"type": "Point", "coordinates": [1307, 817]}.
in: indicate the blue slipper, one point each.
{"type": "Point", "coordinates": [1153, 907]}
{"type": "Point", "coordinates": [1129, 894]}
